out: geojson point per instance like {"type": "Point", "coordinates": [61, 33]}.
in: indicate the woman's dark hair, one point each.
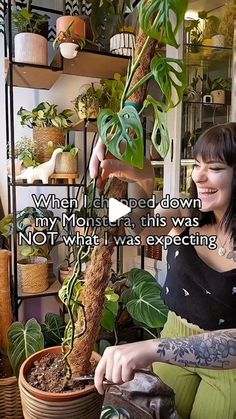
{"type": "Point", "coordinates": [218, 143]}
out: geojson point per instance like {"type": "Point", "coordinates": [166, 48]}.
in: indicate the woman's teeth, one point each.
{"type": "Point", "coordinates": [207, 191]}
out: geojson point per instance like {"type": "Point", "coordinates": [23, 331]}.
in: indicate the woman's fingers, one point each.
{"type": "Point", "coordinates": [119, 169]}
{"type": "Point", "coordinates": [99, 375]}
{"type": "Point", "coordinates": [96, 158]}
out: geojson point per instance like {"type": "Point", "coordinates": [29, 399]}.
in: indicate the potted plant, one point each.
{"type": "Point", "coordinates": [219, 87]}
{"type": "Point", "coordinates": [211, 34]}
{"type": "Point", "coordinates": [85, 315]}
{"type": "Point", "coordinates": [70, 39]}
{"type": "Point", "coordinates": [49, 127]}
{"type": "Point", "coordinates": [105, 94]}
{"type": "Point", "coordinates": [67, 161]}
{"type": "Point", "coordinates": [22, 342]}
{"type": "Point", "coordinates": [34, 264]}
{"type": "Point", "coordinates": [88, 103]}
{"type": "Point", "coordinates": [30, 46]}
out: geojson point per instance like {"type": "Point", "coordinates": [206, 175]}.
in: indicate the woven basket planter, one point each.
{"type": "Point", "coordinates": [33, 274]}
{"type": "Point", "coordinates": [47, 139]}
{"type": "Point", "coordinates": [37, 404]}
{"type": "Point", "coordinates": [66, 163]}
{"type": "Point", "coordinates": [10, 402]}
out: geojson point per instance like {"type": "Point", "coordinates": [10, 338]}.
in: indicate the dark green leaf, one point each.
{"type": "Point", "coordinates": [123, 128]}
{"type": "Point", "coordinates": [171, 77]}
{"type": "Point", "coordinates": [53, 329]}
{"type": "Point", "coordinates": [23, 342]}
{"type": "Point", "coordinates": [155, 19]}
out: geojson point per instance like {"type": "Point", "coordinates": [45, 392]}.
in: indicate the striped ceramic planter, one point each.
{"type": "Point", "coordinates": [37, 404]}
{"type": "Point", "coordinates": [122, 44]}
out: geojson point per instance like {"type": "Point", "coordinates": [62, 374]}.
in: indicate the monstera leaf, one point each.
{"type": "Point", "coordinates": [23, 342]}
{"type": "Point", "coordinates": [171, 77]}
{"type": "Point", "coordinates": [123, 130]}
{"type": "Point", "coordinates": [155, 19]}
{"type": "Point", "coordinates": [160, 135]}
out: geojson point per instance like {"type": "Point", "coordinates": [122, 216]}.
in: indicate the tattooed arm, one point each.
{"type": "Point", "coordinates": [208, 350]}
{"type": "Point", "coordinates": [214, 349]}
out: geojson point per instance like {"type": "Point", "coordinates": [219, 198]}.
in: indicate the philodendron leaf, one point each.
{"type": "Point", "coordinates": [161, 19]}
{"type": "Point", "coordinates": [123, 130]}
{"type": "Point", "coordinates": [136, 276]}
{"type": "Point", "coordinates": [109, 314]}
{"type": "Point", "coordinates": [147, 306]}
{"type": "Point", "coordinates": [53, 329]}
{"type": "Point", "coordinates": [160, 135]}
{"type": "Point", "coordinates": [23, 342]}
{"type": "Point", "coordinates": [171, 77]}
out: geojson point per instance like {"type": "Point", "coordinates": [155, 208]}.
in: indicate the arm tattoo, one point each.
{"type": "Point", "coordinates": [208, 350]}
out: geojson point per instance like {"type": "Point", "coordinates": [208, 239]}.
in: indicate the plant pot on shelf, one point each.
{"type": "Point", "coordinates": [122, 44]}
{"type": "Point", "coordinates": [218, 96]}
{"type": "Point", "coordinates": [31, 48]}
{"type": "Point", "coordinates": [218, 41]}
{"type": "Point", "coordinates": [68, 50]}
{"type": "Point", "coordinates": [65, 272]}
{"type": "Point", "coordinates": [47, 139]}
{"type": "Point", "coordinates": [88, 109]}
{"type": "Point", "coordinates": [37, 404]}
{"type": "Point", "coordinates": [77, 28]}
{"type": "Point", "coordinates": [66, 163]}
{"type": "Point", "coordinates": [33, 274]}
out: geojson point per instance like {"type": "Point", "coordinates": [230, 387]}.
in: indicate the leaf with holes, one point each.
{"type": "Point", "coordinates": [155, 21]}
{"type": "Point", "coordinates": [171, 77]}
{"type": "Point", "coordinates": [160, 135]}
{"type": "Point", "coordinates": [123, 129]}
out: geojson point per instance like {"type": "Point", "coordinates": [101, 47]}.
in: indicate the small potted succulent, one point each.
{"type": "Point", "coordinates": [69, 40]}
{"type": "Point", "coordinates": [30, 45]}
{"type": "Point", "coordinates": [49, 126]}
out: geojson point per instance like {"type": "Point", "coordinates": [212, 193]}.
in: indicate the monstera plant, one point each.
{"type": "Point", "coordinates": [84, 293]}
{"type": "Point", "coordinates": [126, 127]}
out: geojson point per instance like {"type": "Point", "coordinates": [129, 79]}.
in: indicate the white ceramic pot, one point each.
{"type": "Point", "coordinates": [68, 50]}
{"type": "Point", "coordinates": [218, 41]}
{"type": "Point", "coordinates": [31, 48]}
{"type": "Point", "coordinates": [122, 44]}
{"type": "Point", "coordinates": [218, 96]}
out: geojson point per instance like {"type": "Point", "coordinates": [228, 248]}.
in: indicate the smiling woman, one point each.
{"type": "Point", "coordinates": [196, 355]}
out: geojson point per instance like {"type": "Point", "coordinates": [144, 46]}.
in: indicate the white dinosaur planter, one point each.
{"type": "Point", "coordinates": [41, 172]}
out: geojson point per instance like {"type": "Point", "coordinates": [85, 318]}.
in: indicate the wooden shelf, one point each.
{"type": "Point", "coordinates": [53, 289]}
{"type": "Point", "coordinates": [96, 64]}
{"type": "Point", "coordinates": [32, 76]}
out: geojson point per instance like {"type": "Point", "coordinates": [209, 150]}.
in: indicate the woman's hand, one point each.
{"type": "Point", "coordinates": [114, 167]}
{"type": "Point", "coordinates": [119, 363]}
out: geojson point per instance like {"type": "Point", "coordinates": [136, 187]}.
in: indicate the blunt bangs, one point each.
{"type": "Point", "coordinates": [217, 144]}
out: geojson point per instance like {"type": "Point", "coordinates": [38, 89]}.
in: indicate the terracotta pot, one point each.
{"type": "Point", "coordinates": [37, 404]}
{"type": "Point", "coordinates": [31, 48]}
{"type": "Point", "coordinates": [77, 29]}
{"type": "Point", "coordinates": [64, 273]}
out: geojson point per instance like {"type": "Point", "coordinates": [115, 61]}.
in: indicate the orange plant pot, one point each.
{"type": "Point", "coordinates": [77, 29]}
{"type": "Point", "coordinates": [38, 404]}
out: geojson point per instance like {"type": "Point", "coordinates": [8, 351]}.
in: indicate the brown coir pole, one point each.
{"type": "Point", "coordinates": [98, 273]}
